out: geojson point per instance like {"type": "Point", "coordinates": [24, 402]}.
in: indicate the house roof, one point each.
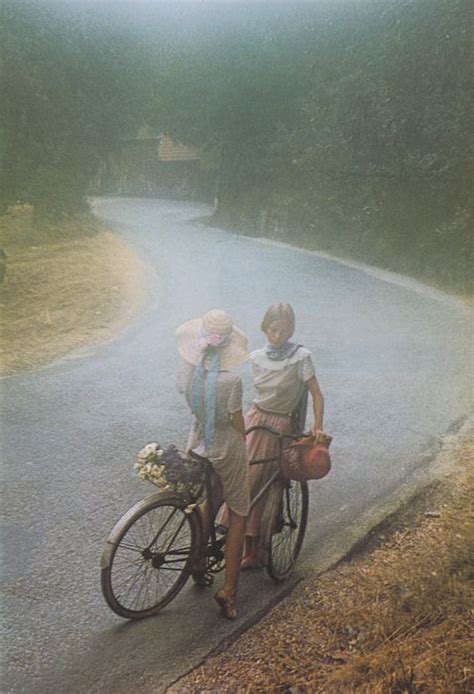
{"type": "Point", "coordinates": [169, 150]}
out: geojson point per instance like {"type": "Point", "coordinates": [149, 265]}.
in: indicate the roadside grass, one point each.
{"type": "Point", "coordinates": [18, 231]}
{"type": "Point", "coordinates": [412, 604]}
{"type": "Point", "coordinates": [394, 617]}
{"type": "Point", "coordinates": [63, 289]}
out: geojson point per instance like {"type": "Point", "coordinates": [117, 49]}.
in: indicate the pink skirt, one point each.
{"type": "Point", "coordinates": [260, 445]}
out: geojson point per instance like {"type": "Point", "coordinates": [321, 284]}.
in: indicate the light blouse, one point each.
{"type": "Point", "coordinates": [280, 384]}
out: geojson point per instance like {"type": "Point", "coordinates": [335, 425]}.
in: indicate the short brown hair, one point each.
{"type": "Point", "coordinates": [283, 312]}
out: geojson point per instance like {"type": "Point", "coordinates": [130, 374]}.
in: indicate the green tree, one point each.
{"type": "Point", "coordinates": [70, 89]}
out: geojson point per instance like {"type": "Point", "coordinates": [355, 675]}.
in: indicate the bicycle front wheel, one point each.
{"type": "Point", "coordinates": [289, 530]}
{"type": "Point", "coordinates": [149, 555]}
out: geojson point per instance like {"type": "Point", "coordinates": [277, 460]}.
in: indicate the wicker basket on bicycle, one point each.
{"type": "Point", "coordinates": [171, 471]}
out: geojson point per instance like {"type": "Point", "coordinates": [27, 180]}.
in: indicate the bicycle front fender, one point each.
{"type": "Point", "coordinates": [130, 514]}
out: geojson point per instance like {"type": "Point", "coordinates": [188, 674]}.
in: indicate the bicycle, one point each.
{"type": "Point", "coordinates": [150, 552]}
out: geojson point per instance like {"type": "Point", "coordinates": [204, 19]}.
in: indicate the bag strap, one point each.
{"type": "Point", "coordinates": [293, 352]}
{"type": "Point", "coordinates": [298, 416]}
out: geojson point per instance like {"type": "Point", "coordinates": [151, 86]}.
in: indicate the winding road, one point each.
{"type": "Point", "coordinates": [394, 361]}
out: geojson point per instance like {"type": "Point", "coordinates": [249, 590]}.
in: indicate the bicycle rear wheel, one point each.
{"type": "Point", "coordinates": [289, 530]}
{"type": "Point", "coordinates": [149, 555]}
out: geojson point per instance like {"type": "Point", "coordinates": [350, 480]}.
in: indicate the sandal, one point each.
{"type": "Point", "coordinates": [227, 604]}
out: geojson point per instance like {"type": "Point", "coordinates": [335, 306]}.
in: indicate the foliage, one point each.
{"type": "Point", "coordinates": [345, 129]}
{"type": "Point", "coordinates": [343, 126]}
{"type": "Point", "coordinates": [70, 89]}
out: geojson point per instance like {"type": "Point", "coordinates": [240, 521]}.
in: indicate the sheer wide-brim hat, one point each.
{"type": "Point", "coordinates": [189, 339]}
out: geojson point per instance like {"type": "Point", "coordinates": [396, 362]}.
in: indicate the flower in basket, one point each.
{"type": "Point", "coordinates": [151, 451]}
{"type": "Point", "coordinates": [170, 470]}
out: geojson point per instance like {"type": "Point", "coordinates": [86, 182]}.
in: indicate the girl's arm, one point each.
{"type": "Point", "coordinates": [238, 422]}
{"type": "Point", "coordinates": [318, 404]}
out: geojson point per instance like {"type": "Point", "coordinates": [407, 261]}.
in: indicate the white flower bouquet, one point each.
{"type": "Point", "coordinates": [171, 471]}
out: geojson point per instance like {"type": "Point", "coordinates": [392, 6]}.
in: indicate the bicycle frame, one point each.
{"type": "Point", "coordinates": [156, 546]}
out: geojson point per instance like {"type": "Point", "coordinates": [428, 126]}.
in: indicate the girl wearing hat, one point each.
{"type": "Point", "coordinates": [210, 347]}
{"type": "Point", "coordinates": [282, 371]}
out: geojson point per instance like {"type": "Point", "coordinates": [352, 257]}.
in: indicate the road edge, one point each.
{"type": "Point", "coordinates": [382, 274]}
{"type": "Point", "coordinates": [430, 470]}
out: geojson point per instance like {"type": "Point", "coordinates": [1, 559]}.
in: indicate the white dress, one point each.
{"type": "Point", "coordinates": [227, 453]}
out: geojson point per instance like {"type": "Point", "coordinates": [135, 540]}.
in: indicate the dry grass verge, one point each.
{"type": "Point", "coordinates": [63, 293]}
{"type": "Point", "coordinates": [395, 617]}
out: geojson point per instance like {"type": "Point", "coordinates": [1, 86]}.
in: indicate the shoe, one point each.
{"type": "Point", "coordinates": [227, 604]}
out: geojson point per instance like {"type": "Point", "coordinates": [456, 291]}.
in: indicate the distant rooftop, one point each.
{"type": "Point", "coordinates": [168, 149]}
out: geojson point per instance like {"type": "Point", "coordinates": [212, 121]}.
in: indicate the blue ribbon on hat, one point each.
{"type": "Point", "coordinates": [205, 383]}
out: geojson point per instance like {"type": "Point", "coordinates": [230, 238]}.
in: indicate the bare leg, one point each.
{"type": "Point", "coordinates": [251, 556]}
{"type": "Point", "coordinates": [233, 554]}
{"type": "Point", "coordinates": [200, 563]}
{"type": "Point", "coordinates": [207, 517]}
{"type": "Point", "coordinates": [256, 541]}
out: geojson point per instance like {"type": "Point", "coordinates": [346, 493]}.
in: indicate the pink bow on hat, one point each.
{"type": "Point", "coordinates": [212, 340]}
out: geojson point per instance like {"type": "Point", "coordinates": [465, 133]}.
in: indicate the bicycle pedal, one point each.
{"type": "Point", "coordinates": [203, 579]}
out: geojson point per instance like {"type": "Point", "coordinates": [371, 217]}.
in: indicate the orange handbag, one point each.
{"type": "Point", "coordinates": [306, 459]}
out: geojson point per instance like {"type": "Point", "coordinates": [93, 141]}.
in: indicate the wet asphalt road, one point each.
{"type": "Point", "coordinates": [393, 363]}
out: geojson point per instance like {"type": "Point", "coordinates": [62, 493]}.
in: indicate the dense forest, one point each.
{"type": "Point", "coordinates": [340, 126]}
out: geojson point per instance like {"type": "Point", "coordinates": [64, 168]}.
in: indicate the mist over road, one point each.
{"type": "Point", "coordinates": [394, 366]}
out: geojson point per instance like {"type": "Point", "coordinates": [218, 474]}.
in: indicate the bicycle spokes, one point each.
{"type": "Point", "coordinates": [288, 531]}
{"type": "Point", "coordinates": [151, 558]}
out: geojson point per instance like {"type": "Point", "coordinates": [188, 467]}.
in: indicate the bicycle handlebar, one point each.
{"type": "Point", "coordinates": [279, 434]}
